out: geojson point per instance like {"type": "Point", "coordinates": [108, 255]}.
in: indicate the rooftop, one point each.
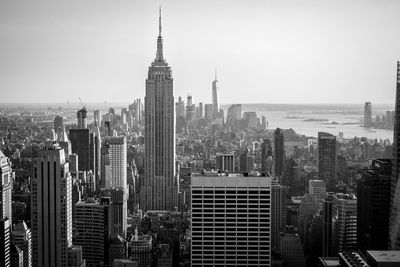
{"type": "Point", "coordinates": [384, 255]}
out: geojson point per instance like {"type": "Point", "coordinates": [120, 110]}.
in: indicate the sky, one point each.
{"type": "Point", "coordinates": [297, 51]}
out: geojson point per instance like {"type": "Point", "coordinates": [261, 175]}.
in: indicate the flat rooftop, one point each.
{"type": "Point", "coordinates": [385, 255]}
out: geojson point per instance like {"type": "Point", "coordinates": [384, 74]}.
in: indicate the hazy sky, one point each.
{"type": "Point", "coordinates": [298, 51]}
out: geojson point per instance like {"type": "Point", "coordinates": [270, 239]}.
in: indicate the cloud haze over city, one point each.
{"type": "Point", "coordinates": [266, 52]}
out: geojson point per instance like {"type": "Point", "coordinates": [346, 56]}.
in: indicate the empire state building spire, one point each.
{"type": "Point", "coordinates": [159, 56]}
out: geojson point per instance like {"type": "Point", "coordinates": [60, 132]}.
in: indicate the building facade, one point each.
{"type": "Point", "coordinates": [51, 211]}
{"type": "Point", "coordinates": [231, 221]}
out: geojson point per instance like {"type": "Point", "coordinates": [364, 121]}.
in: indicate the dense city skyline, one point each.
{"type": "Point", "coordinates": [170, 179]}
{"type": "Point", "coordinates": [100, 52]}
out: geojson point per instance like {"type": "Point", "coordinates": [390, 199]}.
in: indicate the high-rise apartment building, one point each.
{"type": "Point", "coordinates": [344, 222]}
{"type": "Point", "coordinates": [231, 221]}
{"type": "Point", "coordinates": [160, 185]}
{"type": "Point", "coordinates": [51, 211]}
{"type": "Point", "coordinates": [279, 152]}
{"type": "Point", "coordinates": [22, 237]}
{"type": "Point", "coordinates": [92, 229]}
{"type": "Point", "coordinates": [367, 115]}
{"type": "Point", "coordinates": [117, 153]}
{"type": "Point", "coordinates": [394, 235]}
{"type": "Point", "coordinates": [215, 102]}
{"type": "Point", "coordinates": [373, 206]}
{"type": "Point", "coordinates": [6, 180]}
{"type": "Point", "coordinates": [327, 158]}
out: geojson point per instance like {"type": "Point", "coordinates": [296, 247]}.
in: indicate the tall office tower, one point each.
{"type": "Point", "coordinates": [234, 113]}
{"type": "Point", "coordinates": [160, 182]}
{"type": "Point", "coordinates": [344, 223]}
{"type": "Point", "coordinates": [180, 108]}
{"type": "Point", "coordinates": [21, 236]}
{"type": "Point", "coordinates": [215, 96]}
{"type": "Point", "coordinates": [266, 156]}
{"type": "Point", "coordinates": [327, 158]}
{"type": "Point", "coordinates": [116, 157]}
{"type": "Point", "coordinates": [5, 228]}
{"type": "Point", "coordinates": [394, 229]}
{"type": "Point", "coordinates": [81, 116]}
{"type": "Point", "coordinates": [6, 177]}
{"type": "Point", "coordinates": [185, 176]}
{"type": "Point", "coordinates": [208, 112]}
{"type": "Point", "coordinates": [317, 189]}
{"type": "Point", "coordinates": [119, 214]}
{"type": "Point", "coordinates": [92, 229]}
{"type": "Point", "coordinates": [51, 211]}
{"type": "Point", "coordinates": [237, 229]}
{"type": "Point", "coordinates": [190, 109]}
{"type": "Point", "coordinates": [80, 144]}
{"type": "Point", "coordinates": [278, 213]}
{"type": "Point", "coordinates": [291, 248]}
{"type": "Point", "coordinates": [373, 206]}
{"type": "Point", "coordinates": [367, 115]}
{"type": "Point", "coordinates": [279, 152]}
{"type": "Point", "coordinates": [58, 123]}
{"type": "Point", "coordinates": [201, 113]}
{"type": "Point", "coordinates": [97, 117]}
{"type": "Point", "coordinates": [225, 162]}
{"type": "Point", "coordinates": [327, 226]}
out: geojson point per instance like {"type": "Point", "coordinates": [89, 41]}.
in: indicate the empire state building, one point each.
{"type": "Point", "coordinates": [160, 185]}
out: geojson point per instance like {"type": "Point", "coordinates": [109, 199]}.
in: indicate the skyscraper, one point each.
{"type": "Point", "coordinates": [117, 153]}
{"type": "Point", "coordinates": [394, 231]}
{"type": "Point", "coordinates": [327, 226]}
{"type": "Point", "coordinates": [215, 96]}
{"type": "Point", "coordinates": [5, 187]}
{"type": "Point", "coordinates": [266, 156]}
{"type": "Point", "coordinates": [80, 144]}
{"type": "Point", "coordinates": [344, 223]}
{"type": "Point", "coordinates": [51, 212]}
{"type": "Point", "coordinates": [327, 158]}
{"type": "Point", "coordinates": [367, 115]}
{"type": "Point", "coordinates": [160, 185]}
{"type": "Point", "coordinates": [373, 206]}
{"type": "Point", "coordinates": [92, 228]}
{"type": "Point", "coordinates": [278, 213]}
{"type": "Point", "coordinates": [236, 230]}
{"type": "Point", "coordinates": [279, 152]}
